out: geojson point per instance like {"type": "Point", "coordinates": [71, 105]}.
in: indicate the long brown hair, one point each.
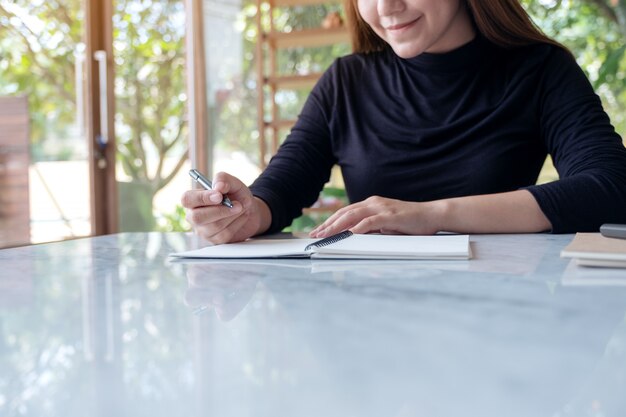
{"type": "Point", "coordinates": [502, 22]}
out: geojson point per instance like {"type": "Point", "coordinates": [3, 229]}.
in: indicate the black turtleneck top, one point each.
{"type": "Point", "coordinates": [477, 120]}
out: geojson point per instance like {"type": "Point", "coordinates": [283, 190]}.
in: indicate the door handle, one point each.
{"type": "Point", "coordinates": [102, 138]}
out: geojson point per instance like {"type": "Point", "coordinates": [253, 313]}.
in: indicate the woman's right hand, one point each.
{"type": "Point", "coordinates": [217, 223]}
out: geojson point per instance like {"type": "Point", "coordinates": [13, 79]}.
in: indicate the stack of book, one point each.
{"type": "Point", "coordinates": [594, 249]}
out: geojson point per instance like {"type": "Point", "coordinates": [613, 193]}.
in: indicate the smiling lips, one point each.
{"type": "Point", "coordinates": [401, 26]}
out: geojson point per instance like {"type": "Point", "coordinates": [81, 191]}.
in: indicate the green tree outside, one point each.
{"type": "Point", "coordinates": [595, 31]}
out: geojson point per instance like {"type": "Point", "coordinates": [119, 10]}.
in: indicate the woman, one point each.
{"type": "Point", "coordinates": [440, 121]}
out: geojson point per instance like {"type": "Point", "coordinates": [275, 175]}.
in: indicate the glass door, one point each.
{"type": "Point", "coordinates": [44, 168]}
{"type": "Point", "coordinates": [150, 113]}
{"type": "Point", "coordinates": [93, 132]}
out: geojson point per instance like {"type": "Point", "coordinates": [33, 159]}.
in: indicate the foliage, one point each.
{"type": "Point", "coordinates": [174, 222]}
{"type": "Point", "coordinates": [595, 31]}
{"type": "Point", "coordinates": [39, 41]}
{"type": "Point", "coordinates": [39, 45]}
{"type": "Point", "coordinates": [150, 89]}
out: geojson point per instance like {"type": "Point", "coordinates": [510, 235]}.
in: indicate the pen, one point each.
{"type": "Point", "coordinates": [202, 180]}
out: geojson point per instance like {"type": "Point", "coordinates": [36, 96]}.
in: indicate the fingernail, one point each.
{"type": "Point", "coordinates": [216, 198]}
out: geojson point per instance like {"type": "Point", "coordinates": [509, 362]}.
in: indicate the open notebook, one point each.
{"type": "Point", "coordinates": [344, 245]}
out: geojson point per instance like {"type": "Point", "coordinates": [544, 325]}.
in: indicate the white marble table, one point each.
{"type": "Point", "coordinates": [109, 326]}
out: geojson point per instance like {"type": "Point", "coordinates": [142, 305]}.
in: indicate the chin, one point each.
{"type": "Point", "coordinates": [406, 53]}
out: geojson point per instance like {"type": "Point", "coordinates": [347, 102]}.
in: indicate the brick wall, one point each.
{"type": "Point", "coordinates": [14, 163]}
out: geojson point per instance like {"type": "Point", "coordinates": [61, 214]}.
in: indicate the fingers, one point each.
{"type": "Point", "coordinates": [217, 224]}
{"type": "Point", "coordinates": [201, 198]}
{"type": "Point", "coordinates": [223, 184]}
{"type": "Point", "coordinates": [227, 184]}
{"type": "Point", "coordinates": [376, 223]}
{"type": "Point", "coordinates": [343, 219]}
{"type": "Point", "coordinates": [376, 215]}
{"type": "Point", "coordinates": [202, 214]}
{"type": "Point", "coordinates": [231, 230]}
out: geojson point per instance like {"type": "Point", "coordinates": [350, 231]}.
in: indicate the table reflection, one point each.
{"type": "Point", "coordinates": [109, 326]}
{"type": "Point", "coordinates": [226, 289]}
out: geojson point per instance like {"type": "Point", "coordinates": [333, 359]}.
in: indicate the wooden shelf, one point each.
{"type": "Point", "coordinates": [308, 37]}
{"type": "Point", "coordinates": [268, 49]}
{"type": "Point", "coordinates": [292, 82]}
{"type": "Point", "coordinates": [281, 123]}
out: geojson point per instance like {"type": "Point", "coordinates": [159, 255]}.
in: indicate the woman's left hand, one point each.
{"type": "Point", "coordinates": [382, 215]}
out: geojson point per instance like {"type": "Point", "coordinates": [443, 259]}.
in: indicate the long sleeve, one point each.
{"type": "Point", "coordinates": [297, 173]}
{"type": "Point", "coordinates": [587, 152]}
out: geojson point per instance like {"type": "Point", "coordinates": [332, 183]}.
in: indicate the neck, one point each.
{"type": "Point", "coordinates": [460, 31]}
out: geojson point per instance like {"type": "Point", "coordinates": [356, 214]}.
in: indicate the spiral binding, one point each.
{"type": "Point", "coordinates": [329, 240]}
